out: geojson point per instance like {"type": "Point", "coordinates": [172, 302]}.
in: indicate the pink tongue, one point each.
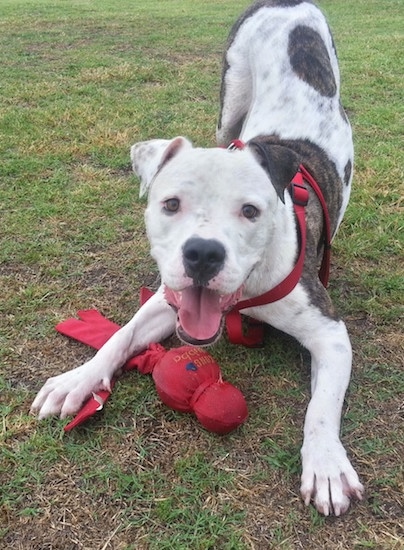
{"type": "Point", "coordinates": [200, 313]}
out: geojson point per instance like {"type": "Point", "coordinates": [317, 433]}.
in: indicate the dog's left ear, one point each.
{"type": "Point", "coordinates": [280, 162]}
{"type": "Point", "coordinates": [148, 157]}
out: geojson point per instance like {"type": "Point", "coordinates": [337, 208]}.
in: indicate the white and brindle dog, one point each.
{"type": "Point", "coordinates": [222, 227]}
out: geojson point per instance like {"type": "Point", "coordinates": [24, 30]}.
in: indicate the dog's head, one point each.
{"type": "Point", "coordinates": [209, 219]}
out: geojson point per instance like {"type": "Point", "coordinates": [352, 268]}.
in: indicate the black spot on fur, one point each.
{"type": "Point", "coordinates": [347, 172]}
{"type": "Point", "coordinates": [310, 60]}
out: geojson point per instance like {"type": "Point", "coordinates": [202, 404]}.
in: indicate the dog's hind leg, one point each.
{"type": "Point", "coordinates": [235, 97]}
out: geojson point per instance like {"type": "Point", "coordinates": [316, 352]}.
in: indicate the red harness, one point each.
{"type": "Point", "coordinates": [300, 198]}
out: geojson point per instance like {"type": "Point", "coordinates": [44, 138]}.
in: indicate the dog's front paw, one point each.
{"type": "Point", "coordinates": [65, 394]}
{"type": "Point", "coordinates": [328, 478]}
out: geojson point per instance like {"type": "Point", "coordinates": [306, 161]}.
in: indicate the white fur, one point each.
{"type": "Point", "coordinates": [212, 186]}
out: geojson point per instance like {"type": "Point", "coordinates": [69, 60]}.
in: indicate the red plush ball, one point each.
{"type": "Point", "coordinates": [220, 408]}
{"type": "Point", "coordinates": [189, 380]}
{"type": "Point", "coordinates": [179, 373]}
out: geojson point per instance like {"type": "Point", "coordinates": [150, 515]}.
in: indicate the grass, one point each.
{"type": "Point", "coordinates": [80, 82]}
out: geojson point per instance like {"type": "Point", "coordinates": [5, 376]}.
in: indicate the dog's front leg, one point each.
{"type": "Point", "coordinates": [328, 477]}
{"type": "Point", "coordinates": [64, 394]}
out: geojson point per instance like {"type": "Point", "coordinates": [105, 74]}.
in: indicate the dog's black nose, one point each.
{"type": "Point", "coordinates": [203, 259]}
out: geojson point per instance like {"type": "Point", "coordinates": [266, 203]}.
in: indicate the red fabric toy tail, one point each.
{"type": "Point", "coordinates": [95, 330]}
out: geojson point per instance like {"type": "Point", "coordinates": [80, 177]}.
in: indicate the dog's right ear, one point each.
{"type": "Point", "coordinates": [148, 157]}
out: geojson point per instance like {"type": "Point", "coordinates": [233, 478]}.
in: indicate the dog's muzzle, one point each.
{"type": "Point", "coordinates": [200, 308]}
{"type": "Point", "coordinates": [203, 259]}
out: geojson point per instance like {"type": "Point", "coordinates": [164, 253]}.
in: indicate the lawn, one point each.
{"type": "Point", "coordinates": [81, 81]}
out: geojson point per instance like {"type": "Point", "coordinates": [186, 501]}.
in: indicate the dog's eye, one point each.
{"type": "Point", "coordinates": [172, 205]}
{"type": "Point", "coordinates": [250, 212]}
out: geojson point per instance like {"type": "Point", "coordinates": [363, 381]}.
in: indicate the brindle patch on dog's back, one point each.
{"type": "Point", "coordinates": [310, 60]}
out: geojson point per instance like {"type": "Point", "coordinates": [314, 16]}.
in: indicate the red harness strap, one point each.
{"type": "Point", "coordinates": [324, 271]}
{"type": "Point", "coordinates": [300, 197]}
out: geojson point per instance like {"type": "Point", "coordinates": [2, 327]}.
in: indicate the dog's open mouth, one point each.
{"type": "Point", "coordinates": [200, 312]}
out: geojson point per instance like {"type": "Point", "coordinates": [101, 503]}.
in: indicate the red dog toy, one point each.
{"type": "Point", "coordinates": [187, 378]}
